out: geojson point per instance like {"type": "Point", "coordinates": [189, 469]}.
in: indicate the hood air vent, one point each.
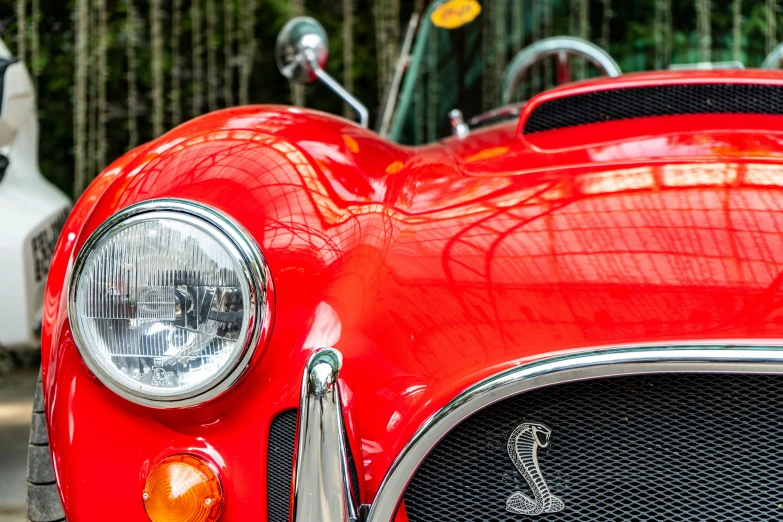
{"type": "Point", "coordinates": [660, 100]}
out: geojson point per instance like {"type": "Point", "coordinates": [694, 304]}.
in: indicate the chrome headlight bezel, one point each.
{"type": "Point", "coordinates": [254, 270]}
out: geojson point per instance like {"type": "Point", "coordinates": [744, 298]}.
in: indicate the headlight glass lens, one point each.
{"type": "Point", "coordinates": [163, 306]}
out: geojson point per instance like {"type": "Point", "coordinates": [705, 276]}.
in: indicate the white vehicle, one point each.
{"type": "Point", "coordinates": [32, 210]}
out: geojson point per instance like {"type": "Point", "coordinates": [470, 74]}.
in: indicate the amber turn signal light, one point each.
{"type": "Point", "coordinates": [183, 488]}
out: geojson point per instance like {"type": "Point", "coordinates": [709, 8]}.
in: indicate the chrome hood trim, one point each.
{"type": "Point", "coordinates": [695, 357]}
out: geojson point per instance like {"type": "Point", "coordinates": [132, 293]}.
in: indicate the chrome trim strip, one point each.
{"type": "Point", "coordinates": [683, 358]}
{"type": "Point", "coordinates": [255, 271]}
{"type": "Point", "coordinates": [554, 45]}
{"type": "Point", "coordinates": [322, 481]}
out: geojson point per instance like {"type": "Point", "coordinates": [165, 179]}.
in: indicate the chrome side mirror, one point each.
{"type": "Point", "coordinates": [301, 53]}
{"type": "Point", "coordinates": [299, 36]}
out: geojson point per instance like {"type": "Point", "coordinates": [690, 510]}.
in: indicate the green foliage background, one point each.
{"type": "Point", "coordinates": [632, 42]}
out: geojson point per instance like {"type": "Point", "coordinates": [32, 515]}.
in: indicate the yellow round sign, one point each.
{"type": "Point", "coordinates": [455, 13]}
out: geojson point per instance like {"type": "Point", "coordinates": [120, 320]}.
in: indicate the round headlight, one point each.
{"type": "Point", "coordinates": [167, 300]}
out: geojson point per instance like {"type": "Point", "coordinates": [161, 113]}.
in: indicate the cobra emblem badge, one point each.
{"type": "Point", "coordinates": [523, 449]}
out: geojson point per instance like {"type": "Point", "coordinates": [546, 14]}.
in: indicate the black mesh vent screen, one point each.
{"type": "Point", "coordinates": [352, 471]}
{"type": "Point", "coordinates": [662, 100]}
{"type": "Point", "coordinates": [282, 438]}
{"type": "Point", "coordinates": [659, 447]}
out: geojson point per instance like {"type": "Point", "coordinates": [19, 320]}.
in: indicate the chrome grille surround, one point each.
{"type": "Point", "coordinates": [677, 447]}
{"type": "Point", "coordinates": [738, 357]}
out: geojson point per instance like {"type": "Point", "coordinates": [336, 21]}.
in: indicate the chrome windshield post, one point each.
{"type": "Point", "coordinates": [322, 483]}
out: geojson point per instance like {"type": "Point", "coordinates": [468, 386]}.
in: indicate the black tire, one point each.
{"type": "Point", "coordinates": [43, 500]}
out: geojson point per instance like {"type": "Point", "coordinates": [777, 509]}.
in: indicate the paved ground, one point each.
{"type": "Point", "coordinates": [16, 406]}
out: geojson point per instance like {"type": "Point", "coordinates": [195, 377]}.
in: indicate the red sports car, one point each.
{"type": "Point", "coordinates": [569, 308]}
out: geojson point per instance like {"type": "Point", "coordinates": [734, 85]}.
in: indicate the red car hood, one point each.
{"type": "Point", "coordinates": [430, 268]}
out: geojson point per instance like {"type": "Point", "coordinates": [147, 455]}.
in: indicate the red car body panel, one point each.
{"type": "Point", "coordinates": [429, 268]}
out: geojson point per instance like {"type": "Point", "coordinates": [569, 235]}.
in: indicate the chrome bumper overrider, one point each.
{"type": "Point", "coordinates": [322, 484]}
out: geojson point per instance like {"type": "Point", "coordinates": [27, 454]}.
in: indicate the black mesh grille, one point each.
{"type": "Point", "coordinates": [282, 438]}
{"type": "Point", "coordinates": [663, 100]}
{"type": "Point", "coordinates": [352, 471]}
{"type": "Point", "coordinates": [659, 447]}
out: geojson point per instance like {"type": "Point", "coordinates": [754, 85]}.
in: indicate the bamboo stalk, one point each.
{"type": "Point", "coordinates": [133, 97]}
{"type": "Point", "coordinates": [548, 14]}
{"type": "Point", "coordinates": [80, 103]}
{"type": "Point", "coordinates": [387, 37]}
{"type": "Point", "coordinates": [197, 101]}
{"type": "Point", "coordinates": [240, 37]}
{"type": "Point", "coordinates": [212, 72]}
{"type": "Point", "coordinates": [772, 25]}
{"type": "Point", "coordinates": [573, 7]}
{"type": "Point", "coordinates": [606, 20]}
{"type": "Point", "coordinates": [534, 76]}
{"type": "Point", "coordinates": [176, 65]}
{"type": "Point", "coordinates": [103, 78]}
{"type": "Point", "coordinates": [92, 94]}
{"type": "Point", "coordinates": [379, 15]}
{"type": "Point", "coordinates": [157, 68]}
{"type": "Point", "coordinates": [249, 52]}
{"type": "Point", "coordinates": [228, 51]}
{"type": "Point", "coordinates": [659, 33]}
{"type": "Point", "coordinates": [583, 31]}
{"type": "Point", "coordinates": [392, 40]}
{"type": "Point", "coordinates": [668, 34]}
{"type": "Point", "coordinates": [736, 32]}
{"type": "Point", "coordinates": [704, 29]}
{"type": "Point", "coordinates": [488, 56]}
{"type": "Point", "coordinates": [517, 25]}
{"type": "Point", "coordinates": [519, 43]}
{"type": "Point", "coordinates": [500, 37]}
{"type": "Point", "coordinates": [348, 112]}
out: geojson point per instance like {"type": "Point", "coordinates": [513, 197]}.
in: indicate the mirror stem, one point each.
{"type": "Point", "coordinates": [359, 107]}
